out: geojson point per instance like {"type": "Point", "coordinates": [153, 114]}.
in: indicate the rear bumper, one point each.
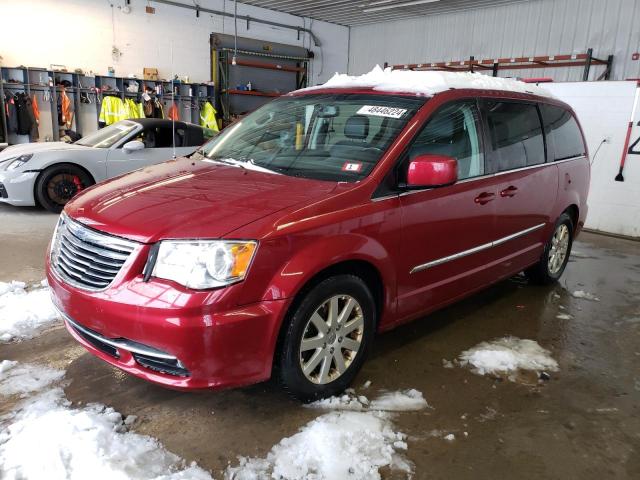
{"type": "Point", "coordinates": [172, 337]}
{"type": "Point", "coordinates": [17, 188]}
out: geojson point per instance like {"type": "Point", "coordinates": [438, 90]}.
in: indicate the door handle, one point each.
{"type": "Point", "coordinates": [484, 197]}
{"type": "Point", "coordinates": [509, 191]}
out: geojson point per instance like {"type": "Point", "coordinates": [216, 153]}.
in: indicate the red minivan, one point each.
{"type": "Point", "coordinates": [285, 244]}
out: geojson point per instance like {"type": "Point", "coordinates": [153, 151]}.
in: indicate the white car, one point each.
{"type": "Point", "coordinates": [51, 174]}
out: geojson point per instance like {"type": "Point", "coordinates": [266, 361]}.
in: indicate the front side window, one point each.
{"type": "Point", "coordinates": [333, 137]}
{"type": "Point", "coordinates": [108, 136]}
{"type": "Point", "coordinates": [161, 137]}
{"type": "Point", "coordinates": [563, 132]}
{"type": "Point", "coordinates": [516, 135]}
{"type": "Point", "coordinates": [453, 131]}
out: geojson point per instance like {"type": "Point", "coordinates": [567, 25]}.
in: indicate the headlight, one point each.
{"type": "Point", "coordinates": [205, 263]}
{"type": "Point", "coordinates": [18, 161]}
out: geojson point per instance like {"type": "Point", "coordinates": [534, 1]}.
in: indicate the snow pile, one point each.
{"type": "Point", "coordinates": [585, 295]}
{"type": "Point", "coordinates": [336, 445]}
{"type": "Point", "coordinates": [427, 82]}
{"type": "Point", "coordinates": [508, 355]}
{"type": "Point", "coordinates": [398, 401]}
{"type": "Point", "coordinates": [22, 379]}
{"type": "Point", "coordinates": [23, 311]}
{"type": "Point", "coordinates": [402, 401]}
{"type": "Point", "coordinates": [46, 438]}
{"type": "Point", "coordinates": [347, 401]}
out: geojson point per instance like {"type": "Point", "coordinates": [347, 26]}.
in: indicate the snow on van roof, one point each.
{"type": "Point", "coordinates": [427, 82]}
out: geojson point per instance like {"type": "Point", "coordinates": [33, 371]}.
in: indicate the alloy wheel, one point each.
{"type": "Point", "coordinates": [331, 339]}
{"type": "Point", "coordinates": [559, 249]}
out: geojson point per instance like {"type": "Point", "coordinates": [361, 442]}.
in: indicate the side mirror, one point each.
{"type": "Point", "coordinates": [133, 146]}
{"type": "Point", "coordinates": [432, 171]}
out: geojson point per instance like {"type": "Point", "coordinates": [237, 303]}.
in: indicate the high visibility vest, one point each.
{"type": "Point", "coordinates": [208, 117]}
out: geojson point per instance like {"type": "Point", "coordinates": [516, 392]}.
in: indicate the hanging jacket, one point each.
{"type": "Point", "coordinates": [208, 117]}
{"type": "Point", "coordinates": [173, 113]}
{"type": "Point", "coordinates": [112, 110]}
{"type": "Point", "coordinates": [11, 113]}
{"type": "Point", "coordinates": [35, 133]}
{"type": "Point", "coordinates": [26, 119]}
{"type": "Point", "coordinates": [132, 108]}
{"type": "Point", "coordinates": [65, 114]}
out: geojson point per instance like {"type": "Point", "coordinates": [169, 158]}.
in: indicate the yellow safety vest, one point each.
{"type": "Point", "coordinates": [208, 117]}
{"type": "Point", "coordinates": [112, 110]}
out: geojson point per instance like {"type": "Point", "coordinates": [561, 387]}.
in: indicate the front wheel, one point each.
{"type": "Point", "coordinates": [327, 338]}
{"type": "Point", "coordinates": [60, 183]}
{"type": "Point", "coordinates": [556, 253]}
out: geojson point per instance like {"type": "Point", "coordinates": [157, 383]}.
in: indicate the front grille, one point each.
{"type": "Point", "coordinates": [85, 258]}
{"type": "Point", "coordinates": [3, 192]}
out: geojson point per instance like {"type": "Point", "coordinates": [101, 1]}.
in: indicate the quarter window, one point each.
{"type": "Point", "coordinates": [563, 132]}
{"type": "Point", "coordinates": [516, 136]}
{"type": "Point", "coordinates": [453, 131]}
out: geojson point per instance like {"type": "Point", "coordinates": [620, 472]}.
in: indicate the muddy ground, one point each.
{"type": "Point", "coordinates": [582, 423]}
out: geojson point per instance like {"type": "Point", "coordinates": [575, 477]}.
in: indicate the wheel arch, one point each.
{"type": "Point", "coordinates": [574, 212]}
{"type": "Point", "coordinates": [361, 268]}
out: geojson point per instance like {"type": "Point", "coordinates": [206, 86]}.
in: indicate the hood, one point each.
{"type": "Point", "coordinates": [25, 148]}
{"type": "Point", "coordinates": [189, 199]}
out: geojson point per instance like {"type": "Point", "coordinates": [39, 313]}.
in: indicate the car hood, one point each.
{"type": "Point", "coordinates": [25, 148]}
{"type": "Point", "coordinates": [189, 199]}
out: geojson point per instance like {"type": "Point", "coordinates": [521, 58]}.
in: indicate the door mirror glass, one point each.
{"type": "Point", "coordinates": [133, 146]}
{"type": "Point", "coordinates": [432, 171]}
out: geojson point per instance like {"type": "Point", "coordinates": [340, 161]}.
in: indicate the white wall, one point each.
{"type": "Point", "coordinates": [536, 27]}
{"type": "Point", "coordinates": [604, 109]}
{"type": "Point", "coordinates": [80, 34]}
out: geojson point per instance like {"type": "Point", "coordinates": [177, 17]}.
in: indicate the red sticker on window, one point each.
{"type": "Point", "coordinates": [352, 167]}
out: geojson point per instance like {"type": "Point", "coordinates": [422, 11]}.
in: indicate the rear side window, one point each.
{"type": "Point", "coordinates": [453, 131]}
{"type": "Point", "coordinates": [563, 132]}
{"type": "Point", "coordinates": [516, 136]}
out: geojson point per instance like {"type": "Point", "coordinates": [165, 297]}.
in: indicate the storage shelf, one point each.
{"type": "Point", "coordinates": [253, 92]}
{"type": "Point", "coordinates": [267, 66]}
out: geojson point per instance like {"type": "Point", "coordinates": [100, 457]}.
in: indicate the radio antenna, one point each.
{"type": "Point", "coordinates": [173, 103]}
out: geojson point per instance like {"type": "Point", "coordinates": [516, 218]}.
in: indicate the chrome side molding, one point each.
{"type": "Point", "coordinates": [471, 251]}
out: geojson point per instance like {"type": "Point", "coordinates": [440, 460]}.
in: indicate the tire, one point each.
{"type": "Point", "coordinates": [556, 254]}
{"type": "Point", "coordinates": [58, 184]}
{"type": "Point", "coordinates": [339, 339]}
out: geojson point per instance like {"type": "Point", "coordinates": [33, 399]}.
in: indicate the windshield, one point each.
{"type": "Point", "coordinates": [325, 136]}
{"type": "Point", "coordinates": [108, 136]}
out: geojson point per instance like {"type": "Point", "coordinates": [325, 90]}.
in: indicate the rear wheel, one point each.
{"type": "Point", "coordinates": [327, 338]}
{"type": "Point", "coordinates": [556, 253]}
{"type": "Point", "coordinates": [60, 183]}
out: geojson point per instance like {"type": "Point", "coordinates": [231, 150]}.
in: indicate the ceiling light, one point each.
{"type": "Point", "coordinates": [397, 5]}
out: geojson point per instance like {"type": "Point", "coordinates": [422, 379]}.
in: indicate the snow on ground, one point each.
{"type": "Point", "coordinates": [23, 379]}
{"type": "Point", "coordinates": [398, 401]}
{"type": "Point", "coordinates": [507, 356]}
{"type": "Point", "coordinates": [47, 438]}
{"type": "Point", "coordinates": [427, 82]}
{"type": "Point", "coordinates": [337, 445]}
{"type": "Point", "coordinates": [585, 295]}
{"type": "Point", "coordinates": [24, 310]}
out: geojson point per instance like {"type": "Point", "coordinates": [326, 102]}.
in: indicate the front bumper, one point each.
{"type": "Point", "coordinates": [18, 188]}
{"type": "Point", "coordinates": [177, 338]}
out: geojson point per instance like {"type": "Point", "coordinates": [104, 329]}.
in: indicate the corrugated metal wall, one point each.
{"type": "Point", "coordinates": [536, 27]}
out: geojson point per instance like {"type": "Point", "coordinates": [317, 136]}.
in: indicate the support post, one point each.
{"type": "Point", "coordinates": [587, 65]}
